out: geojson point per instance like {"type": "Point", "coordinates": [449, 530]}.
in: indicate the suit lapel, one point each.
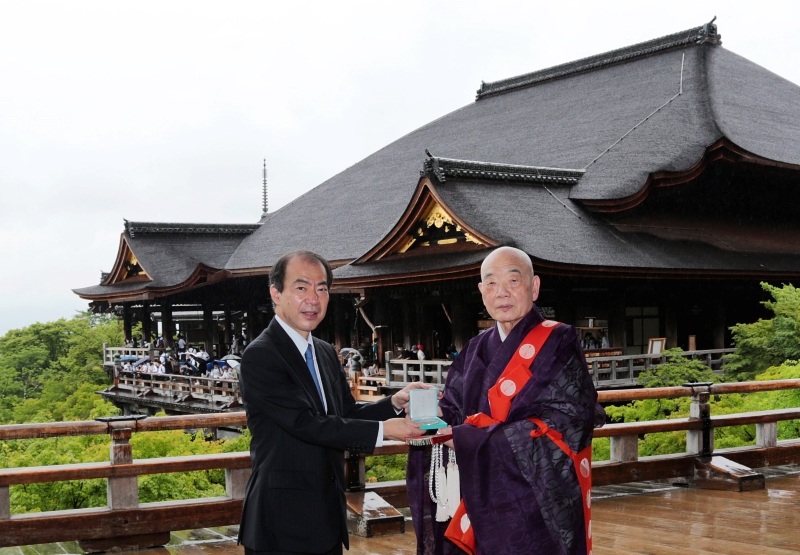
{"type": "Point", "coordinates": [297, 364]}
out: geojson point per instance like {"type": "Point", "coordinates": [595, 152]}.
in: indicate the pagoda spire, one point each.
{"type": "Point", "coordinates": [264, 200]}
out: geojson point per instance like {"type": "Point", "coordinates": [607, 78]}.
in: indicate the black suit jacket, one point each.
{"type": "Point", "coordinates": [295, 496]}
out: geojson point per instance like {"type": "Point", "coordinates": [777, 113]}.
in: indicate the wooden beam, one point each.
{"type": "Point", "coordinates": [139, 467]}
{"type": "Point", "coordinates": [98, 523]}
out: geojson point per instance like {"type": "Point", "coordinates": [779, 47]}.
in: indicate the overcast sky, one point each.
{"type": "Point", "coordinates": [163, 111]}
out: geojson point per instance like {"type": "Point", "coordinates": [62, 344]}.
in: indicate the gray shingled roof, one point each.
{"type": "Point", "coordinates": [613, 119]}
{"type": "Point", "coordinates": [566, 122]}
{"type": "Point", "coordinates": [170, 253]}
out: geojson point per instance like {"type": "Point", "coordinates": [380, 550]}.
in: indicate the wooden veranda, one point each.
{"type": "Point", "coordinates": [733, 506]}
{"type": "Point", "coordinates": [668, 522]}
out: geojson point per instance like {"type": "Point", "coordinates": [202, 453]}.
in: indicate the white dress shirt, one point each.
{"type": "Point", "coordinates": [302, 345]}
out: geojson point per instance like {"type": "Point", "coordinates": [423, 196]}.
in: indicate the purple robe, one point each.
{"type": "Point", "coordinates": [521, 493]}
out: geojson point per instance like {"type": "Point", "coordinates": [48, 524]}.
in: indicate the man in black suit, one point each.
{"type": "Point", "coordinates": [302, 417]}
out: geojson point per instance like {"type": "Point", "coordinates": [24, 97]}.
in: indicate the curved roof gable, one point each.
{"type": "Point", "coordinates": [173, 255]}
{"type": "Point", "coordinates": [648, 115]}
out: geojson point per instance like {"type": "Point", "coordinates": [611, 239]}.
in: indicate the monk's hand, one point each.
{"type": "Point", "coordinates": [400, 428]}
{"type": "Point", "coordinates": [446, 431]}
{"type": "Point", "coordinates": [400, 399]}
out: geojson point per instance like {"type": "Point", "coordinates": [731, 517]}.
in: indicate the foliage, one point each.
{"type": "Point", "coordinates": [677, 370]}
{"type": "Point", "coordinates": [63, 354]}
{"type": "Point", "coordinates": [735, 436]}
{"type": "Point", "coordinates": [51, 372]}
{"type": "Point", "coordinates": [384, 468]}
{"type": "Point", "coordinates": [768, 343]}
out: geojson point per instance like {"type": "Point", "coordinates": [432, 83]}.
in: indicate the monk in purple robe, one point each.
{"type": "Point", "coordinates": [520, 489]}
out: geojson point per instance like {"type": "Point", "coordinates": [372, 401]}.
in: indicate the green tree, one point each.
{"type": "Point", "coordinates": [676, 370]}
{"type": "Point", "coordinates": [768, 343]}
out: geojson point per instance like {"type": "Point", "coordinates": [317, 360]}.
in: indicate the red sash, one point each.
{"type": "Point", "coordinates": [514, 377]}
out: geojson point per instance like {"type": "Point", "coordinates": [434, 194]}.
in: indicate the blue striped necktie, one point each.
{"type": "Point", "coordinates": [310, 364]}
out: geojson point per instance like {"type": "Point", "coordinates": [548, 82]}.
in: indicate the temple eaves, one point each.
{"type": "Point", "coordinates": [134, 228]}
{"type": "Point", "coordinates": [443, 168]}
{"type": "Point", "coordinates": [697, 35]}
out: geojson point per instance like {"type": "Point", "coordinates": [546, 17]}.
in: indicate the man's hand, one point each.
{"type": "Point", "coordinates": [400, 428]}
{"type": "Point", "coordinates": [400, 399]}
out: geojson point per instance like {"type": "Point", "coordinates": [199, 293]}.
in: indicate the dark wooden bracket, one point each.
{"type": "Point", "coordinates": [723, 474]}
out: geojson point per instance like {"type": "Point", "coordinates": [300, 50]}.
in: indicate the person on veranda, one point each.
{"type": "Point", "coordinates": [522, 438]}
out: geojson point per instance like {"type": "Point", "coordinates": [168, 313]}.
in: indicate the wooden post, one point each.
{"type": "Point", "coordinates": [167, 326]}
{"type": "Point", "coordinates": [123, 493]}
{"type": "Point", "coordinates": [146, 322]}
{"type": "Point", "coordinates": [126, 321]}
{"type": "Point", "coordinates": [236, 482]}
{"type": "Point", "coordinates": [767, 434]}
{"type": "Point", "coordinates": [700, 442]}
{"type": "Point", "coordinates": [407, 332]}
{"type": "Point", "coordinates": [228, 332]}
{"type": "Point", "coordinates": [251, 322]}
{"type": "Point", "coordinates": [5, 503]}
{"type": "Point", "coordinates": [671, 324]}
{"type": "Point", "coordinates": [208, 325]}
{"type": "Point", "coordinates": [616, 321]}
{"type": "Point", "coordinates": [624, 448]}
{"type": "Point", "coordinates": [718, 329]}
{"type": "Point", "coordinates": [355, 471]}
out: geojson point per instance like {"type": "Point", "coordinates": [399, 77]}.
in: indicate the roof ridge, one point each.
{"type": "Point", "coordinates": [473, 169]}
{"type": "Point", "coordinates": [195, 228]}
{"type": "Point", "coordinates": [698, 35]}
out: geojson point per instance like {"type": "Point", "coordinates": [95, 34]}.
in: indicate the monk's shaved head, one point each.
{"type": "Point", "coordinates": [508, 286]}
{"type": "Point", "coordinates": [508, 253]}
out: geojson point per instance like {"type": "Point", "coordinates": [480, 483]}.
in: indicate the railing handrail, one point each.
{"type": "Point", "coordinates": [234, 419]}
{"type": "Point", "coordinates": [92, 427]}
{"type": "Point", "coordinates": [121, 470]}
{"type": "Point", "coordinates": [85, 471]}
{"type": "Point", "coordinates": [651, 356]}
{"type": "Point", "coordinates": [139, 467]}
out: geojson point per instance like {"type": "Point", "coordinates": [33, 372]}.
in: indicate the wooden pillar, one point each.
{"type": "Point", "coordinates": [671, 323]}
{"type": "Point", "coordinates": [236, 482]}
{"type": "Point", "coordinates": [624, 448]}
{"type": "Point", "coordinates": [353, 325]}
{"type": "Point", "coordinates": [339, 323]}
{"type": "Point", "coordinates": [421, 325]}
{"type": "Point", "coordinates": [208, 328]}
{"type": "Point", "coordinates": [5, 503]}
{"type": "Point", "coordinates": [718, 323]}
{"type": "Point", "coordinates": [251, 322]}
{"type": "Point", "coordinates": [408, 332]}
{"type": "Point", "coordinates": [616, 320]}
{"type": "Point", "coordinates": [167, 325]}
{"type": "Point", "coordinates": [126, 321]}
{"type": "Point", "coordinates": [700, 442]}
{"type": "Point", "coordinates": [123, 493]}
{"type": "Point", "coordinates": [146, 322]}
{"type": "Point", "coordinates": [462, 325]}
{"type": "Point", "coordinates": [228, 331]}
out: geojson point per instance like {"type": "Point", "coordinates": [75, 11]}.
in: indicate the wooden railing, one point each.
{"type": "Point", "coordinates": [624, 370]}
{"type": "Point", "coordinates": [215, 393]}
{"type": "Point", "coordinates": [400, 372]}
{"type": "Point", "coordinates": [138, 352]}
{"type": "Point", "coordinates": [607, 372]}
{"type": "Point", "coordinates": [126, 520]}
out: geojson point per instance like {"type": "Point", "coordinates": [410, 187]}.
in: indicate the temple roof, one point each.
{"type": "Point", "coordinates": [545, 161]}
{"type": "Point", "coordinates": [615, 120]}
{"type": "Point", "coordinates": [170, 255]}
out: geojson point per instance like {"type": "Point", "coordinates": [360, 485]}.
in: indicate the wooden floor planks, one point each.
{"type": "Point", "coordinates": [676, 521]}
{"type": "Point", "coordinates": [701, 521]}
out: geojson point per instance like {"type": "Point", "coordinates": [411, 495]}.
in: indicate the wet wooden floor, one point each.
{"type": "Point", "coordinates": [668, 522]}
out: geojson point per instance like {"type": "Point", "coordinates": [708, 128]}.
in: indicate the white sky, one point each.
{"type": "Point", "coordinates": [163, 111]}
